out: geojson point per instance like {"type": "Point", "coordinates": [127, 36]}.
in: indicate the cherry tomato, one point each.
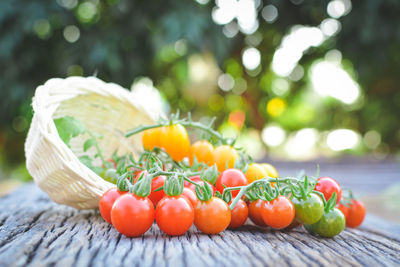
{"type": "Point", "coordinates": [270, 170]}
{"type": "Point", "coordinates": [231, 178]}
{"type": "Point", "coordinates": [190, 195]}
{"type": "Point", "coordinates": [255, 172]}
{"type": "Point", "coordinates": [175, 141]}
{"type": "Point", "coordinates": [107, 201]}
{"type": "Point", "coordinates": [174, 215]}
{"type": "Point", "coordinates": [132, 215]}
{"type": "Point", "coordinates": [201, 183]}
{"type": "Point", "coordinates": [239, 214]}
{"type": "Point", "coordinates": [225, 157]}
{"type": "Point", "coordinates": [327, 186]}
{"type": "Point", "coordinates": [309, 210]}
{"type": "Point", "coordinates": [194, 179]}
{"type": "Point", "coordinates": [203, 151]}
{"type": "Point", "coordinates": [330, 224]}
{"type": "Point", "coordinates": [151, 138]}
{"type": "Point", "coordinates": [356, 214]}
{"type": "Point", "coordinates": [156, 183]}
{"type": "Point", "coordinates": [278, 213]}
{"type": "Point", "coordinates": [255, 212]}
{"type": "Point", "coordinates": [212, 216]}
{"type": "Point", "coordinates": [343, 209]}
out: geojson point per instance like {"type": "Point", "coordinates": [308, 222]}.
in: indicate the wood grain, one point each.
{"type": "Point", "coordinates": [37, 232]}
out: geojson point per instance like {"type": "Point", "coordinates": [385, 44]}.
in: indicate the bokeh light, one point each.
{"type": "Point", "coordinates": [329, 79]}
{"type": "Point", "coordinates": [342, 139]}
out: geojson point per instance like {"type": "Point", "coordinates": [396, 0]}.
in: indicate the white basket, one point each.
{"type": "Point", "coordinates": [104, 108]}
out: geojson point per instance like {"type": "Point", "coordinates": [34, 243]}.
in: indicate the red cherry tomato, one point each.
{"type": "Point", "coordinates": [356, 214]}
{"type": "Point", "coordinates": [255, 212]}
{"type": "Point", "coordinates": [278, 213]}
{"type": "Point", "coordinates": [174, 215]}
{"type": "Point", "coordinates": [194, 179]}
{"type": "Point", "coordinates": [239, 214]}
{"type": "Point", "coordinates": [213, 216]}
{"type": "Point", "coordinates": [132, 215]}
{"type": "Point", "coordinates": [156, 183]}
{"type": "Point", "coordinates": [190, 195]}
{"type": "Point", "coordinates": [231, 178]}
{"type": "Point", "coordinates": [343, 209]}
{"type": "Point", "coordinates": [327, 186]}
{"type": "Point", "coordinates": [107, 201]}
{"type": "Point", "coordinates": [201, 183]}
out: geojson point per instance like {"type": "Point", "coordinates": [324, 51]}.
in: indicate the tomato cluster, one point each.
{"type": "Point", "coordinates": [177, 184]}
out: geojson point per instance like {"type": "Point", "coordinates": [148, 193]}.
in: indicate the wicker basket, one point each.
{"type": "Point", "coordinates": [104, 108]}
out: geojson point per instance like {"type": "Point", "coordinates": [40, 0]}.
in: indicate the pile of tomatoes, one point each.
{"type": "Point", "coordinates": [214, 193]}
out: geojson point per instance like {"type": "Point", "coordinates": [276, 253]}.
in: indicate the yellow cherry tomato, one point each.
{"type": "Point", "coordinates": [225, 157]}
{"type": "Point", "coordinates": [175, 141]}
{"type": "Point", "coordinates": [270, 170]}
{"type": "Point", "coordinates": [255, 172]}
{"type": "Point", "coordinates": [203, 151]}
{"type": "Point", "coordinates": [151, 138]}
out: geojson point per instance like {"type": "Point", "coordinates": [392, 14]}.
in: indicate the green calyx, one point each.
{"type": "Point", "coordinates": [302, 189]}
{"type": "Point", "coordinates": [173, 185]}
{"type": "Point", "coordinates": [142, 187]}
{"type": "Point", "coordinates": [331, 203]}
{"type": "Point", "coordinates": [204, 192]}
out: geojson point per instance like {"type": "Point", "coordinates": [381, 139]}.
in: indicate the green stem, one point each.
{"type": "Point", "coordinates": [182, 122]}
{"type": "Point", "coordinates": [244, 189]}
{"type": "Point", "coordinates": [321, 195]}
{"type": "Point", "coordinates": [96, 145]}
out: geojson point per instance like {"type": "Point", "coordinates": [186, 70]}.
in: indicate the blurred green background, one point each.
{"type": "Point", "coordinates": [299, 80]}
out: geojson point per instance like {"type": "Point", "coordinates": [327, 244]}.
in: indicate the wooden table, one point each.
{"type": "Point", "coordinates": [34, 231]}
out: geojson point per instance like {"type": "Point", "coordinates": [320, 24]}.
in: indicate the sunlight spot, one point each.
{"type": "Point", "coordinates": [342, 139]}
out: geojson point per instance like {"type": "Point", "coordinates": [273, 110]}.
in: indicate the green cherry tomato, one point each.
{"type": "Point", "coordinates": [308, 210]}
{"type": "Point", "coordinates": [309, 228]}
{"type": "Point", "coordinates": [331, 223]}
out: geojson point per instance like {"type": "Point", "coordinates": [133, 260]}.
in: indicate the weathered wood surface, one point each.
{"type": "Point", "coordinates": [37, 232]}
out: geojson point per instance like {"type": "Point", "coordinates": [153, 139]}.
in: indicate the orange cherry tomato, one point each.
{"type": "Point", "coordinates": [278, 213]}
{"type": "Point", "coordinates": [255, 172]}
{"type": "Point", "coordinates": [190, 195]}
{"type": "Point", "coordinates": [239, 214]}
{"type": "Point", "coordinates": [107, 201]}
{"type": "Point", "coordinates": [203, 151]}
{"type": "Point", "coordinates": [255, 212]}
{"type": "Point", "coordinates": [174, 215]}
{"type": "Point", "coordinates": [270, 170]}
{"type": "Point", "coordinates": [151, 138]}
{"type": "Point", "coordinates": [356, 214]}
{"type": "Point", "coordinates": [225, 157]}
{"type": "Point", "coordinates": [132, 215]}
{"type": "Point", "coordinates": [175, 140]}
{"type": "Point", "coordinates": [212, 216]}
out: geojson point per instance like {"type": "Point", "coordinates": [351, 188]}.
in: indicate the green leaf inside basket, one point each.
{"type": "Point", "coordinates": [69, 127]}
